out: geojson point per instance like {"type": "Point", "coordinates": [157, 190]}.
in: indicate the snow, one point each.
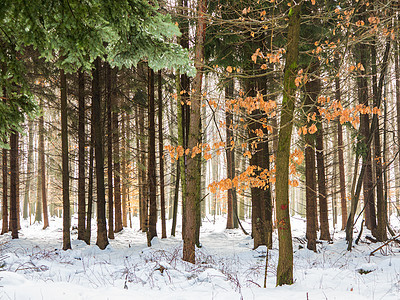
{"type": "Point", "coordinates": [35, 267]}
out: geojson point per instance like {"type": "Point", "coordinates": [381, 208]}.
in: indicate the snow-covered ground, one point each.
{"type": "Point", "coordinates": [34, 267]}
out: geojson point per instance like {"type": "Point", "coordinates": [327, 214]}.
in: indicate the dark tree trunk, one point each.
{"type": "Point", "coordinates": [323, 203]}
{"type": "Point", "coordinates": [142, 173]}
{"type": "Point", "coordinates": [397, 75]}
{"type": "Point", "coordinates": [161, 152]}
{"type": "Point", "coordinates": [176, 195]}
{"type": "Point", "coordinates": [28, 172]}
{"type": "Point", "coordinates": [5, 193]}
{"type": "Point", "coordinates": [116, 155]}
{"type": "Point", "coordinates": [124, 174]}
{"type": "Point", "coordinates": [65, 169]}
{"type": "Point", "coordinates": [381, 234]}
{"type": "Point", "coordinates": [151, 170]}
{"type": "Point", "coordinates": [194, 138]}
{"type": "Point", "coordinates": [311, 94]}
{"type": "Point", "coordinates": [342, 179]}
{"type": "Point", "coordinates": [13, 184]}
{"type": "Point", "coordinates": [102, 240]}
{"type": "Point", "coordinates": [81, 156]}
{"type": "Point", "coordinates": [88, 228]}
{"type": "Point", "coordinates": [108, 83]}
{"type": "Point", "coordinates": [43, 169]}
{"type": "Point", "coordinates": [232, 221]}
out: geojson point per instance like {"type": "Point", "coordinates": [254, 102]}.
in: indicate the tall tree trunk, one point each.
{"type": "Point", "coordinates": [13, 184]}
{"type": "Point", "coordinates": [43, 169]}
{"type": "Point", "coordinates": [142, 173]}
{"type": "Point", "coordinates": [342, 179]}
{"type": "Point", "coordinates": [28, 171]}
{"type": "Point", "coordinates": [323, 203]}
{"type": "Point", "coordinates": [381, 234]}
{"type": "Point", "coordinates": [124, 174]}
{"type": "Point", "coordinates": [193, 162]}
{"type": "Point", "coordinates": [39, 205]}
{"type": "Point", "coordinates": [285, 263]}
{"type": "Point", "coordinates": [5, 226]}
{"type": "Point", "coordinates": [81, 156]}
{"type": "Point", "coordinates": [116, 155]}
{"type": "Point", "coordinates": [161, 151]}
{"type": "Point", "coordinates": [102, 240]}
{"type": "Point", "coordinates": [397, 75]}
{"type": "Point", "coordinates": [108, 82]}
{"type": "Point", "coordinates": [65, 169]}
{"type": "Point", "coordinates": [88, 229]}
{"type": "Point", "coordinates": [176, 195]}
{"type": "Point", "coordinates": [232, 221]}
{"type": "Point", "coordinates": [151, 170]}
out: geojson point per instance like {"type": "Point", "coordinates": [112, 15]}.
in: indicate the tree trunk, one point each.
{"type": "Point", "coordinates": [142, 173]}
{"type": "Point", "coordinates": [88, 228]}
{"type": "Point", "coordinates": [65, 169]}
{"type": "Point", "coordinates": [192, 203]}
{"type": "Point", "coordinates": [151, 170]}
{"type": "Point", "coordinates": [5, 226]}
{"type": "Point", "coordinates": [232, 221]}
{"type": "Point", "coordinates": [397, 75]}
{"type": "Point", "coordinates": [108, 83]}
{"type": "Point", "coordinates": [342, 179]}
{"type": "Point", "coordinates": [81, 156]}
{"type": "Point", "coordinates": [285, 263]}
{"type": "Point", "coordinates": [161, 153]}
{"type": "Point", "coordinates": [13, 184]}
{"type": "Point", "coordinates": [28, 172]}
{"type": "Point", "coordinates": [39, 205]}
{"type": "Point", "coordinates": [124, 174]}
{"type": "Point", "coordinates": [102, 240]}
{"type": "Point", "coordinates": [176, 195]}
{"type": "Point", "coordinates": [381, 234]}
{"type": "Point", "coordinates": [323, 203]}
{"type": "Point", "coordinates": [116, 155]}
{"type": "Point", "coordinates": [42, 167]}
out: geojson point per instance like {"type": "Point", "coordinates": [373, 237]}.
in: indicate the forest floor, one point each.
{"type": "Point", "coordinates": [34, 267]}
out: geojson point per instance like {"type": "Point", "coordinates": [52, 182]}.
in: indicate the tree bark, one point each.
{"type": "Point", "coordinates": [88, 229]}
{"type": "Point", "coordinates": [193, 161]}
{"type": "Point", "coordinates": [151, 170]}
{"type": "Point", "coordinates": [102, 240]}
{"type": "Point", "coordinates": [28, 171]}
{"type": "Point", "coordinates": [5, 226]}
{"type": "Point", "coordinates": [285, 263]}
{"type": "Point", "coordinates": [65, 169]}
{"type": "Point", "coordinates": [342, 179]}
{"type": "Point", "coordinates": [81, 156]}
{"type": "Point", "coordinates": [108, 83]}
{"type": "Point", "coordinates": [116, 155]}
{"type": "Point", "coordinates": [124, 173]}
{"type": "Point", "coordinates": [161, 153]}
{"type": "Point", "coordinates": [43, 169]}
{"type": "Point", "coordinates": [13, 184]}
{"type": "Point", "coordinates": [232, 221]}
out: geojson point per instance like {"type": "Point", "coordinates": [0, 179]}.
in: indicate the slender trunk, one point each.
{"type": "Point", "coordinates": [28, 171]}
{"type": "Point", "coordinates": [108, 83]}
{"type": "Point", "coordinates": [381, 234]}
{"type": "Point", "coordinates": [323, 203]}
{"type": "Point", "coordinates": [285, 263]}
{"type": "Point", "coordinates": [230, 159]}
{"type": "Point", "coordinates": [102, 240]}
{"type": "Point", "coordinates": [124, 174]}
{"type": "Point", "coordinates": [39, 205]}
{"type": "Point", "coordinates": [13, 184]}
{"type": "Point", "coordinates": [192, 203]}
{"type": "Point", "coordinates": [43, 169]}
{"type": "Point", "coordinates": [175, 204]}
{"type": "Point", "coordinates": [142, 173]}
{"type": "Point", "coordinates": [312, 89]}
{"type": "Point", "coordinates": [81, 156]}
{"type": "Point", "coordinates": [397, 75]}
{"type": "Point", "coordinates": [342, 179]}
{"type": "Point", "coordinates": [65, 169]}
{"type": "Point", "coordinates": [116, 155]}
{"type": "Point", "coordinates": [160, 150]}
{"type": "Point", "coordinates": [88, 229]}
{"type": "Point", "coordinates": [151, 170]}
{"type": "Point", "coordinates": [5, 226]}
